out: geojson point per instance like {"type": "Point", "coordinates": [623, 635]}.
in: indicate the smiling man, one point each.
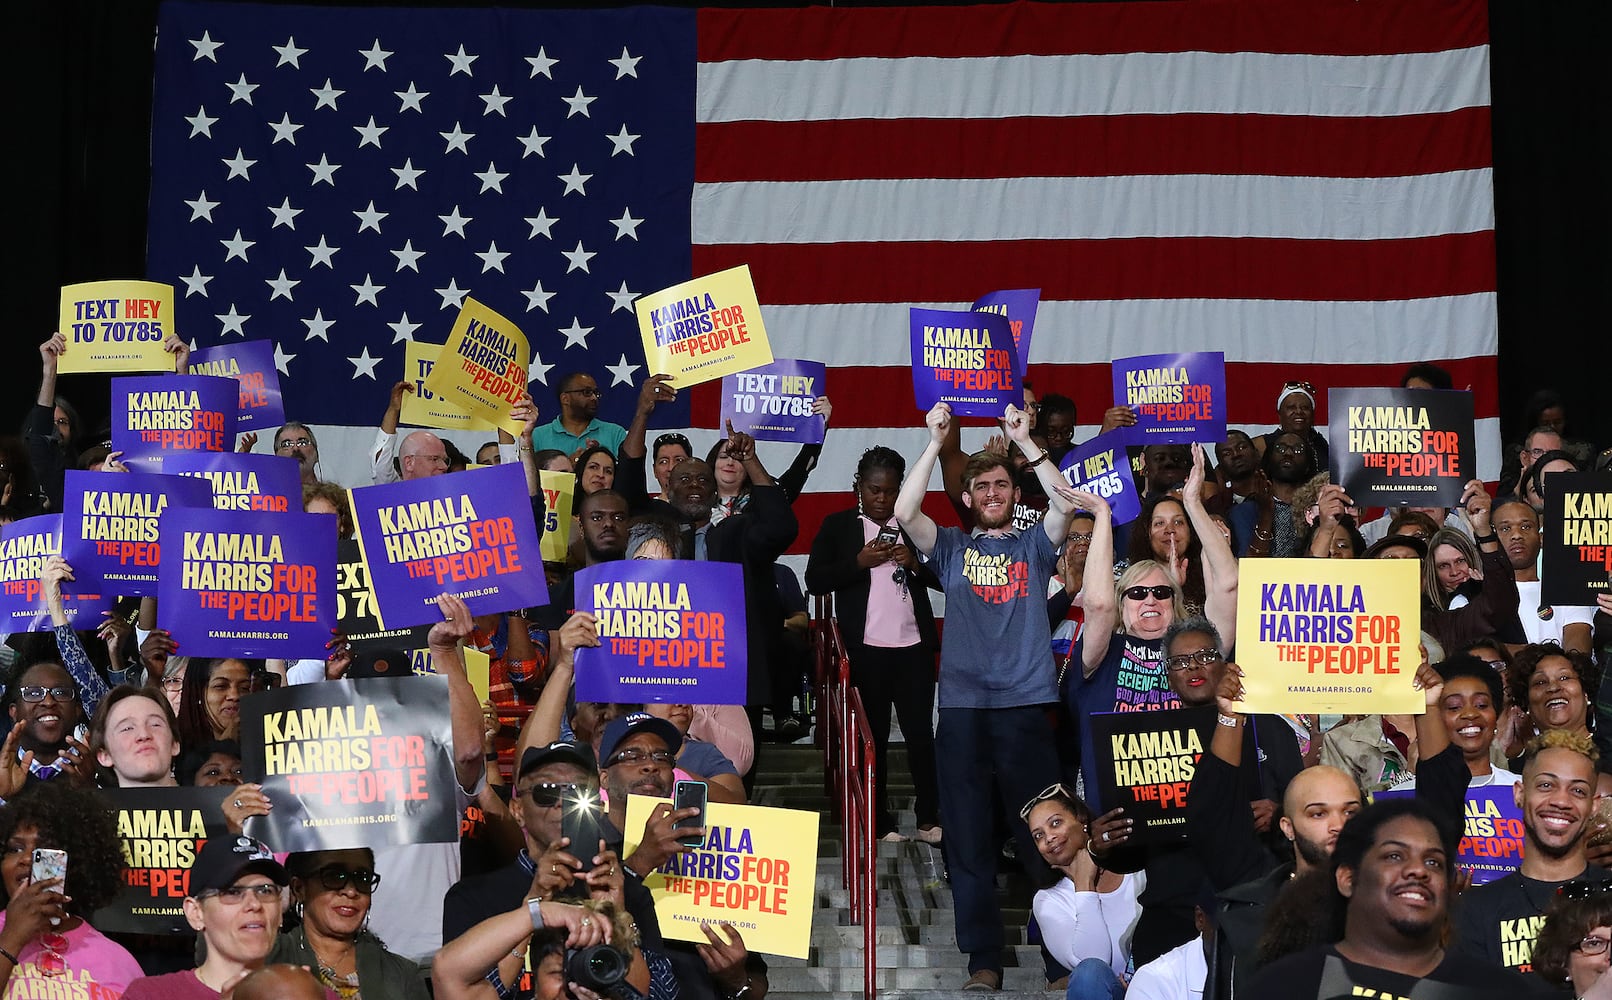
{"type": "Point", "coordinates": [1499, 922]}
{"type": "Point", "coordinates": [1393, 875]}
{"type": "Point", "coordinates": [996, 670]}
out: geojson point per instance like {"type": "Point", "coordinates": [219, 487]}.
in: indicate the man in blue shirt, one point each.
{"type": "Point", "coordinates": [578, 424]}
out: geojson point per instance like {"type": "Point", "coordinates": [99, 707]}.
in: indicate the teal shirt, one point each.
{"type": "Point", "coordinates": [554, 435]}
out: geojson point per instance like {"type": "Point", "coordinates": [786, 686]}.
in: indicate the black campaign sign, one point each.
{"type": "Point", "coordinates": [366, 763]}
{"type": "Point", "coordinates": [1145, 764]}
{"type": "Point", "coordinates": [160, 830]}
{"type": "Point", "coordinates": [1401, 446]}
{"type": "Point", "coordinates": [355, 606]}
{"type": "Point", "coordinates": [1578, 537]}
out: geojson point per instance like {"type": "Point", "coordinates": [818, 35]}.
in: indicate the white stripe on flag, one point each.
{"type": "Point", "coordinates": [1037, 208]}
{"type": "Point", "coordinates": [1143, 83]}
{"type": "Point", "coordinates": [1255, 330]}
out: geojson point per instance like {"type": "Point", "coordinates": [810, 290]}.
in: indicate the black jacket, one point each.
{"type": "Point", "coordinates": [832, 569]}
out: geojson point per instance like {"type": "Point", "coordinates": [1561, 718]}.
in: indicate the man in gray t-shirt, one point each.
{"type": "Point", "coordinates": [996, 669]}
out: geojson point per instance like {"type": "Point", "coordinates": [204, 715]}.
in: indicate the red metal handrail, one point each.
{"type": "Point", "coordinates": [849, 761]}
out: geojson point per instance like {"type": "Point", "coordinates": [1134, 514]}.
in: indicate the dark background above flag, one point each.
{"type": "Point", "coordinates": [81, 116]}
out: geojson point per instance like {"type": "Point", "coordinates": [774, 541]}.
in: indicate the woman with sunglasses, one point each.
{"type": "Point", "coordinates": [44, 936]}
{"type": "Point", "coordinates": [332, 892]}
{"type": "Point", "coordinates": [1572, 947]}
{"type": "Point", "coordinates": [1088, 917]}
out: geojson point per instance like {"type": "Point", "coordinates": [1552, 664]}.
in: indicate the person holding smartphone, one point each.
{"type": "Point", "coordinates": [44, 936]}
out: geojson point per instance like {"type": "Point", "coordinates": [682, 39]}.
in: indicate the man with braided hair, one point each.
{"type": "Point", "coordinates": [1498, 922]}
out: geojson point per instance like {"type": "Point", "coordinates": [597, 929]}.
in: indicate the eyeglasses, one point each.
{"type": "Point", "coordinates": [1203, 658]}
{"type": "Point", "coordinates": [1496, 664]}
{"type": "Point", "coordinates": [1162, 592]}
{"type": "Point", "coordinates": [1079, 538]}
{"type": "Point", "coordinates": [589, 393]}
{"type": "Point", "coordinates": [636, 756]}
{"type": "Point", "coordinates": [293, 443]}
{"type": "Point", "coordinates": [336, 879]}
{"type": "Point", "coordinates": [548, 794]}
{"type": "Point", "coordinates": [54, 963]}
{"type": "Point", "coordinates": [35, 694]}
{"type": "Point", "coordinates": [1286, 448]}
{"type": "Point", "coordinates": [1591, 945]}
{"type": "Point", "coordinates": [235, 895]}
{"type": "Point", "coordinates": [173, 683]}
{"type": "Point", "coordinates": [1051, 791]}
{"type": "Point", "coordinates": [1583, 888]}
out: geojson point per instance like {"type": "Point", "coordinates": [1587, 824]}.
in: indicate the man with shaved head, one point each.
{"type": "Point", "coordinates": [1317, 804]}
{"type": "Point", "coordinates": [280, 982]}
{"type": "Point", "coordinates": [1499, 922]}
{"type": "Point", "coordinates": [421, 455]}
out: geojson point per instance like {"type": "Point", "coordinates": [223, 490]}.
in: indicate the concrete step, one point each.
{"type": "Point", "coordinates": [893, 956]}
{"type": "Point", "coordinates": [845, 981]}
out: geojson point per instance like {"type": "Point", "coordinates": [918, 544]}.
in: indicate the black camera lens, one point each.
{"type": "Point", "coordinates": [599, 967]}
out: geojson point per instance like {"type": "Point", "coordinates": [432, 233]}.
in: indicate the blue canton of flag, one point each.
{"type": "Point", "coordinates": [338, 181]}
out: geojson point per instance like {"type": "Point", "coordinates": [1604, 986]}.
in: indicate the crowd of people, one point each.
{"type": "Point", "coordinates": [1289, 881]}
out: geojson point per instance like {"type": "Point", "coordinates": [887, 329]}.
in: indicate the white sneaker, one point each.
{"type": "Point", "coordinates": [894, 837]}
{"type": "Point", "coordinates": [929, 834]}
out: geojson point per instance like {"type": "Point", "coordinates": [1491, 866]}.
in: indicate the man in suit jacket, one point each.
{"type": "Point", "coordinates": [867, 561]}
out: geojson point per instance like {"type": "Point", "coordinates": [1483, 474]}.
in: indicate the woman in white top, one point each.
{"type": "Point", "coordinates": [1088, 917]}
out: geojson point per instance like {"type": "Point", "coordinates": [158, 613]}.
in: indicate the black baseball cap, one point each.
{"type": "Point", "coordinates": [222, 860]}
{"type": "Point", "coordinates": [558, 752]}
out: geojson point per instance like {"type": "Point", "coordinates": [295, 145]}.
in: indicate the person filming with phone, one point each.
{"type": "Point", "coordinates": [62, 861]}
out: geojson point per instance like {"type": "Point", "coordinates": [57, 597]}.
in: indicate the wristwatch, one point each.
{"type": "Point", "coordinates": [534, 909]}
{"type": "Point", "coordinates": [742, 991]}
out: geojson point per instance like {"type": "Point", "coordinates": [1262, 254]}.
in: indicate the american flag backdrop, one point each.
{"type": "Point", "coordinates": [1304, 186]}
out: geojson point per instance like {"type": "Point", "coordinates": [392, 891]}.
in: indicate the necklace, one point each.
{"type": "Point", "coordinates": [346, 986]}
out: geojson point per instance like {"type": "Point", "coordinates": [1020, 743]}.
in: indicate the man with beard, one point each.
{"type": "Point", "coordinates": [1239, 464]}
{"type": "Point", "coordinates": [636, 757]}
{"type": "Point", "coordinates": [296, 440]}
{"type": "Point", "coordinates": [1315, 806]}
{"type": "Point", "coordinates": [996, 669]}
{"type": "Point", "coordinates": [1032, 499]}
{"type": "Point", "coordinates": [603, 516]}
{"type": "Point", "coordinates": [578, 424]}
{"type": "Point", "coordinates": [1498, 922]}
{"type": "Point", "coordinates": [1517, 526]}
{"type": "Point", "coordinates": [1289, 463]}
{"type": "Point", "coordinates": [1393, 876]}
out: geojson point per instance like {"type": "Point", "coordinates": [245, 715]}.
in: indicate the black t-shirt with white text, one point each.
{"type": "Point", "coordinates": [1499, 922]}
{"type": "Point", "coordinates": [1320, 973]}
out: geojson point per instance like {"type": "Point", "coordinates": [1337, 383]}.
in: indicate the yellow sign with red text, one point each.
{"type": "Point", "coordinates": [703, 329]}
{"type": "Point", "coordinates": [559, 495]}
{"type": "Point", "coordinates": [482, 367]}
{"type": "Point", "coordinates": [423, 408]}
{"type": "Point", "coordinates": [115, 326]}
{"type": "Point", "coordinates": [1329, 635]}
{"type": "Point", "coordinates": [757, 870]}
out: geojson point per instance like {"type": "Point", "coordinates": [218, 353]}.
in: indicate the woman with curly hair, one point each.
{"type": "Point", "coordinates": [44, 936]}
{"type": "Point", "coordinates": [1553, 686]}
{"type": "Point", "coordinates": [1572, 947]}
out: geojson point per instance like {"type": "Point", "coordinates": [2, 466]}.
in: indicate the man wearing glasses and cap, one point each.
{"type": "Point", "coordinates": [578, 426]}
{"type": "Point", "coordinates": [548, 867]}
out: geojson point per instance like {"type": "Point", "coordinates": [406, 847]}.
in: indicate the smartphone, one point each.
{"type": "Point", "coordinates": [690, 795]}
{"type": "Point", "coordinates": [50, 864]}
{"type": "Point", "coordinates": [889, 535]}
{"type": "Point", "coordinates": [579, 820]}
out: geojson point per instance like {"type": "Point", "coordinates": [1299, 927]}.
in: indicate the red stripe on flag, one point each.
{"type": "Point", "coordinates": [1142, 268]}
{"type": "Point", "coordinates": [1094, 146]}
{"type": "Point", "coordinates": [881, 396]}
{"type": "Point", "coordinates": [1330, 27]}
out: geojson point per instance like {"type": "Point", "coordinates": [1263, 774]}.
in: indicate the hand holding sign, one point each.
{"type": "Point", "coordinates": [1478, 504]}
{"type": "Point", "coordinates": [447, 634]}
{"type": "Point", "coordinates": [725, 958]}
{"type": "Point", "coordinates": [1229, 695]}
{"type": "Point", "coordinates": [1110, 830]}
{"type": "Point", "coordinates": [581, 629]}
{"type": "Point", "coordinates": [662, 839]}
{"type": "Point", "coordinates": [1017, 423]}
{"type": "Point", "coordinates": [939, 421]}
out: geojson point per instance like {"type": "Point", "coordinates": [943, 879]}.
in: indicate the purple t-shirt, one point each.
{"type": "Point", "coordinates": [97, 968]}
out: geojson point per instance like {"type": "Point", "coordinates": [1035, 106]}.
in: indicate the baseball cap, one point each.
{"type": "Point", "coordinates": [630, 725]}
{"type": "Point", "coordinates": [223, 860]}
{"type": "Point", "coordinates": [558, 752]}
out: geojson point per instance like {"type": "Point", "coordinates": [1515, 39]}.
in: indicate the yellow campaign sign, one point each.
{"type": "Point", "coordinates": [478, 668]}
{"type": "Point", "coordinates": [1329, 635]}
{"type": "Point", "coordinates": [757, 870]}
{"type": "Point", "coordinates": [559, 494]}
{"type": "Point", "coordinates": [703, 329]}
{"type": "Point", "coordinates": [116, 326]}
{"type": "Point", "coordinates": [422, 407]}
{"type": "Point", "coordinates": [482, 367]}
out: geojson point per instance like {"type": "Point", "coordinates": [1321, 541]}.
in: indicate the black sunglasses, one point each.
{"type": "Point", "coordinates": [1162, 592]}
{"type": "Point", "coordinates": [548, 794]}
{"type": "Point", "coordinates": [336, 879]}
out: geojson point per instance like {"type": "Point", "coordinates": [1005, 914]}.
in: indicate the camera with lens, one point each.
{"type": "Point", "coordinates": [602, 969]}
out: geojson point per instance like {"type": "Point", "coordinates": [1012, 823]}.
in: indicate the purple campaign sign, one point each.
{"type": "Point", "coordinates": [109, 526]}
{"type": "Point", "coordinates": [670, 631]}
{"type": "Point", "coordinates": [1178, 398]}
{"type": "Point", "coordinates": [1019, 306]}
{"type": "Point", "coordinates": [24, 547]}
{"type": "Point", "coordinates": [774, 402]}
{"type": "Point", "coordinates": [157, 415]}
{"type": "Point", "coordinates": [243, 481]}
{"type": "Point", "coordinates": [965, 359]}
{"type": "Point", "coordinates": [1101, 466]}
{"type": "Point", "coordinates": [252, 364]}
{"type": "Point", "coordinates": [1492, 836]}
{"type": "Point", "coordinates": [248, 583]}
{"type": "Point", "coordinates": [466, 533]}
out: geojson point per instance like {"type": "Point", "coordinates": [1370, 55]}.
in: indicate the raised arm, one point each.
{"type": "Point", "coordinates": [447, 657]}
{"type": "Point", "coordinates": [1056, 521]}
{"type": "Point", "coordinates": [544, 724]}
{"type": "Point", "coordinates": [1099, 600]}
{"type": "Point", "coordinates": [1219, 564]}
{"type": "Point", "coordinates": [910, 501]}
{"type": "Point", "coordinates": [91, 688]}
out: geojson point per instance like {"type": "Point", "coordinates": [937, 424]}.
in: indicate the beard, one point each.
{"type": "Point", "coordinates": [1313, 853]}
